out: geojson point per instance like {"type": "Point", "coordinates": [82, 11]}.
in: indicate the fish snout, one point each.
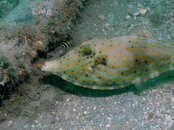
{"type": "Point", "coordinates": [51, 66]}
{"type": "Point", "coordinates": [45, 66]}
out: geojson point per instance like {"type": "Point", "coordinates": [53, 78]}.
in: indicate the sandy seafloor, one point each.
{"type": "Point", "coordinates": [49, 103]}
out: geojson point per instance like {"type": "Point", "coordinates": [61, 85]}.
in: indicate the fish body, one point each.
{"type": "Point", "coordinates": [114, 63]}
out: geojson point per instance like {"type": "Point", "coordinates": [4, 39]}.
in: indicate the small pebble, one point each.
{"type": "Point", "coordinates": [108, 27]}
{"type": "Point", "coordinates": [128, 17]}
{"type": "Point", "coordinates": [10, 123]}
{"type": "Point", "coordinates": [101, 17]}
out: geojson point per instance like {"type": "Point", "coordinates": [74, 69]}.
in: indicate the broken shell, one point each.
{"type": "Point", "coordinates": [101, 17]}
{"type": "Point", "coordinates": [143, 11]}
{"type": "Point", "coordinates": [38, 46]}
{"type": "Point", "coordinates": [33, 54]}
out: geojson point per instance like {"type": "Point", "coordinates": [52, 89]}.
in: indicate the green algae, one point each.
{"type": "Point", "coordinates": [6, 6]}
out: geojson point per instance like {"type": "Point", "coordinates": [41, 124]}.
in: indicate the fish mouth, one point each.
{"type": "Point", "coordinates": [51, 67]}
{"type": "Point", "coordinates": [45, 66]}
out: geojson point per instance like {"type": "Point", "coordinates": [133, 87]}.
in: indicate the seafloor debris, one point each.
{"type": "Point", "coordinates": [136, 9]}
{"type": "Point", "coordinates": [157, 17]}
{"type": "Point", "coordinates": [101, 17]}
{"type": "Point", "coordinates": [39, 45]}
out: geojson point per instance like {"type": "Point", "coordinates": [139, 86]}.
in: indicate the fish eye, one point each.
{"type": "Point", "coordinates": [87, 51]}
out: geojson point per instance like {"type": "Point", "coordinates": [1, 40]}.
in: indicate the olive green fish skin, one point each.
{"type": "Point", "coordinates": [114, 63]}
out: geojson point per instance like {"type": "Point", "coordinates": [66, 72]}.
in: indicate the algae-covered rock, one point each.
{"type": "Point", "coordinates": [7, 78]}
{"type": "Point", "coordinates": [29, 29]}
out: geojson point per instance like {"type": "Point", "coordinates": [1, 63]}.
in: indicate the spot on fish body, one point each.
{"type": "Point", "coordinates": [171, 67]}
{"type": "Point", "coordinates": [137, 80]}
{"type": "Point", "coordinates": [154, 74]}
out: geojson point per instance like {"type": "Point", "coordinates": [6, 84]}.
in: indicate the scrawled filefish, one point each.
{"type": "Point", "coordinates": [114, 63]}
